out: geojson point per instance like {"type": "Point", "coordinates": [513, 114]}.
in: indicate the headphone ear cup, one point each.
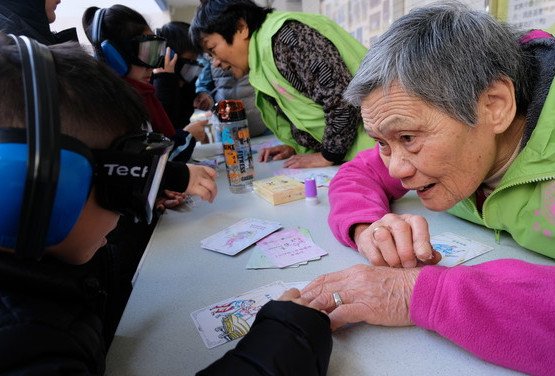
{"type": "Point", "coordinates": [74, 185]}
{"type": "Point", "coordinates": [113, 58]}
{"type": "Point", "coordinates": [71, 194]}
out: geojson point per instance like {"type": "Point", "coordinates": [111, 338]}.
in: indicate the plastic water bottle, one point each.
{"type": "Point", "coordinates": [216, 128]}
{"type": "Point", "coordinates": [236, 144]}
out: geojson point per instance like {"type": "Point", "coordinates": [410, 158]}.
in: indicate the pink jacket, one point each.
{"type": "Point", "coordinates": [502, 311]}
{"type": "Point", "coordinates": [360, 193]}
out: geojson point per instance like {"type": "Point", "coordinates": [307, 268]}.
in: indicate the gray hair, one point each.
{"type": "Point", "coordinates": [445, 54]}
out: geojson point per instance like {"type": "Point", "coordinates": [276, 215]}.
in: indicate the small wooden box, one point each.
{"type": "Point", "coordinates": [279, 189]}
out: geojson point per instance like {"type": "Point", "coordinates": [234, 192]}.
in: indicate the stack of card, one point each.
{"type": "Point", "coordinates": [239, 236]}
{"type": "Point", "coordinates": [285, 248]}
{"type": "Point", "coordinates": [232, 318]}
{"type": "Point", "coordinates": [279, 189]}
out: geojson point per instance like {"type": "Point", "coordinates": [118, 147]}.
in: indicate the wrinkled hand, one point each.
{"type": "Point", "coordinates": [203, 101]}
{"type": "Point", "coordinates": [375, 295]}
{"type": "Point", "coordinates": [202, 182]}
{"type": "Point", "coordinates": [275, 153]}
{"type": "Point", "coordinates": [293, 295]}
{"type": "Point", "coordinates": [396, 240]}
{"type": "Point", "coordinates": [169, 64]}
{"type": "Point", "coordinates": [307, 161]}
{"type": "Point", "coordinates": [170, 199]}
{"type": "Point", "coordinates": [196, 128]}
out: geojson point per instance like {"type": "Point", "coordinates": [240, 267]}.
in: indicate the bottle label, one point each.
{"type": "Point", "coordinates": [238, 155]}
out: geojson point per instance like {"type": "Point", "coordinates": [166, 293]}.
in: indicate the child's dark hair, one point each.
{"type": "Point", "coordinates": [96, 106]}
{"type": "Point", "coordinates": [177, 37]}
{"type": "Point", "coordinates": [221, 16]}
{"type": "Point", "coordinates": [120, 23]}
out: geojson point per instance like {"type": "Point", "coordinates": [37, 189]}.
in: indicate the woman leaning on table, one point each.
{"type": "Point", "coordinates": [463, 112]}
{"type": "Point", "coordinates": [299, 64]}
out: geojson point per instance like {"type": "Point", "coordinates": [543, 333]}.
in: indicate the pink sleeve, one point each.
{"type": "Point", "coordinates": [503, 311]}
{"type": "Point", "coordinates": [360, 192]}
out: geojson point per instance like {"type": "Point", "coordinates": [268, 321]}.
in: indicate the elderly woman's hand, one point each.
{"type": "Point", "coordinates": [307, 161]}
{"type": "Point", "coordinates": [396, 240]}
{"type": "Point", "coordinates": [275, 153]}
{"type": "Point", "coordinates": [375, 295]}
{"type": "Point", "coordinates": [202, 182]}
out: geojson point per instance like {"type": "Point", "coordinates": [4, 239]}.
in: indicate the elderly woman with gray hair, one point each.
{"type": "Point", "coordinates": [462, 108]}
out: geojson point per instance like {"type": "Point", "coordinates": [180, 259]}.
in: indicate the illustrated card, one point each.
{"type": "Point", "coordinates": [239, 236]}
{"type": "Point", "coordinates": [456, 249]}
{"type": "Point", "coordinates": [232, 318]}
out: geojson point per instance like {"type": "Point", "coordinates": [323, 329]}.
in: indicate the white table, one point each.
{"type": "Point", "coordinates": [156, 335]}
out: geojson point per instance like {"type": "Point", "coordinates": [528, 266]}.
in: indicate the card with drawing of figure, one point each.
{"type": "Point", "coordinates": [232, 318]}
{"type": "Point", "coordinates": [456, 249]}
{"type": "Point", "coordinates": [239, 236]}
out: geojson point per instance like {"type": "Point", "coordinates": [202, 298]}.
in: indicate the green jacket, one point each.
{"type": "Point", "coordinates": [524, 202]}
{"type": "Point", "coordinates": [264, 76]}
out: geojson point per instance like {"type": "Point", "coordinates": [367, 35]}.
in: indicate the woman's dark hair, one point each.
{"type": "Point", "coordinates": [120, 23]}
{"type": "Point", "coordinates": [177, 37]}
{"type": "Point", "coordinates": [221, 16]}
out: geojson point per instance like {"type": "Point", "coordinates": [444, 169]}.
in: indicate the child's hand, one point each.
{"type": "Point", "coordinates": [169, 63]}
{"type": "Point", "coordinates": [196, 128]}
{"type": "Point", "coordinates": [202, 182]}
{"type": "Point", "coordinates": [170, 200]}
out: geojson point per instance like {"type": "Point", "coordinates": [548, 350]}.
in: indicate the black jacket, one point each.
{"type": "Point", "coordinates": [285, 339]}
{"type": "Point", "coordinates": [28, 17]}
{"type": "Point", "coordinates": [177, 100]}
{"type": "Point", "coordinates": [51, 318]}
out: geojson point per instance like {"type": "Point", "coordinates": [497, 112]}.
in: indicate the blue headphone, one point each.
{"type": "Point", "coordinates": [46, 176]}
{"type": "Point", "coordinates": [104, 49]}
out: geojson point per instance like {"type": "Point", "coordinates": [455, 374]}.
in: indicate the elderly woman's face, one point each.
{"type": "Point", "coordinates": [440, 158]}
{"type": "Point", "coordinates": [234, 56]}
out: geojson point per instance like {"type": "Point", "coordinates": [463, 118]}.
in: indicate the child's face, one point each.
{"type": "Point", "coordinates": [138, 73]}
{"type": "Point", "coordinates": [88, 234]}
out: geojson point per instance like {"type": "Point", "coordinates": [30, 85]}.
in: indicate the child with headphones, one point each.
{"type": "Point", "coordinates": [73, 156]}
{"type": "Point", "coordinates": [123, 39]}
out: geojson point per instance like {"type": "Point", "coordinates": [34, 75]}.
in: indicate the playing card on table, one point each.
{"type": "Point", "coordinates": [239, 236]}
{"type": "Point", "coordinates": [456, 249]}
{"type": "Point", "coordinates": [232, 318]}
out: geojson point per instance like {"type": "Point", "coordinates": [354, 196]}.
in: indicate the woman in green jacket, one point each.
{"type": "Point", "coordinates": [299, 65]}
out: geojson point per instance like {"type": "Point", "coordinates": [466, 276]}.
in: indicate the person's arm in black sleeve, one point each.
{"type": "Point", "coordinates": [176, 177]}
{"type": "Point", "coordinates": [285, 339]}
{"type": "Point", "coordinates": [166, 88]}
{"type": "Point", "coordinates": [313, 65]}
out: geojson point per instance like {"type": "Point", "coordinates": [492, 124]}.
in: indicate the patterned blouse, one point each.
{"type": "Point", "coordinates": [313, 66]}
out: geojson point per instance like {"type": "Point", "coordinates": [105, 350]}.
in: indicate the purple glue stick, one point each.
{"type": "Point", "coordinates": [310, 192]}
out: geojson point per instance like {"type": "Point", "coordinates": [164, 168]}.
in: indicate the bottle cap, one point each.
{"type": "Point", "coordinates": [229, 110]}
{"type": "Point", "coordinates": [310, 188]}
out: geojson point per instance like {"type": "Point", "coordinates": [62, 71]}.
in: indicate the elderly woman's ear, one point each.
{"type": "Point", "coordinates": [498, 105]}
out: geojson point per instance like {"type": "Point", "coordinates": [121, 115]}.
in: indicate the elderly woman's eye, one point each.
{"type": "Point", "coordinates": [407, 138]}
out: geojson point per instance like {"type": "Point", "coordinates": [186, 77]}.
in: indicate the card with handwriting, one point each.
{"type": "Point", "coordinates": [239, 236]}
{"type": "Point", "coordinates": [289, 247]}
{"type": "Point", "coordinates": [259, 260]}
{"type": "Point", "coordinates": [456, 249]}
